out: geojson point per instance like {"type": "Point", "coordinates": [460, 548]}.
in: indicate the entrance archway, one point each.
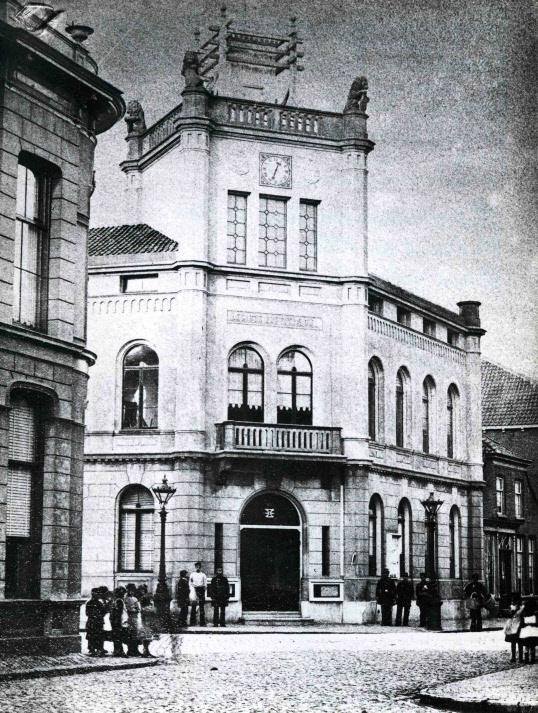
{"type": "Point", "coordinates": [270, 554]}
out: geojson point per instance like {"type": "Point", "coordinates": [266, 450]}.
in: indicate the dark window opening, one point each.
{"type": "Point", "coordinates": [428, 327]}
{"type": "Point", "coordinates": [375, 304]}
{"type": "Point", "coordinates": [403, 316]}
{"type": "Point", "coordinates": [399, 410]}
{"type": "Point", "coordinates": [138, 283]}
{"type": "Point", "coordinates": [219, 544]}
{"type": "Point", "coordinates": [325, 551]}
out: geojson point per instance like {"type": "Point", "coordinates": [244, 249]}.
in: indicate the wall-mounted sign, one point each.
{"type": "Point", "coordinates": [264, 319]}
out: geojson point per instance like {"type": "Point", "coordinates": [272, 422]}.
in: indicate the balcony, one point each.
{"type": "Point", "coordinates": [273, 438]}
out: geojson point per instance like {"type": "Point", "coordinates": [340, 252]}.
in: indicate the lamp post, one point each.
{"type": "Point", "coordinates": [163, 492]}
{"type": "Point", "coordinates": [431, 508]}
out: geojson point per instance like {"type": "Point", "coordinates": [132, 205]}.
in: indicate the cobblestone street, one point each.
{"type": "Point", "coordinates": [272, 673]}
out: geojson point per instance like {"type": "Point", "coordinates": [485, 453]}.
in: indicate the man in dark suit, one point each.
{"type": "Point", "coordinates": [404, 597]}
{"type": "Point", "coordinates": [476, 592]}
{"type": "Point", "coordinates": [219, 591]}
{"type": "Point", "coordinates": [385, 593]}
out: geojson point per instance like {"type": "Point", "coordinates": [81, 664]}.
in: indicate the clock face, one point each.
{"type": "Point", "coordinates": [275, 170]}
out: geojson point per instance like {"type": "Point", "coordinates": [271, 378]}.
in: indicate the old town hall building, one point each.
{"type": "Point", "coordinates": [303, 408]}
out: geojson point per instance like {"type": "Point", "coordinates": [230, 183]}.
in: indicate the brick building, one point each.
{"type": "Point", "coordinates": [302, 408]}
{"type": "Point", "coordinates": [52, 106]}
{"type": "Point", "coordinates": [510, 423]}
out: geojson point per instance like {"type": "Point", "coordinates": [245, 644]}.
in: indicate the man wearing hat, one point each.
{"type": "Point", "coordinates": [182, 597]}
{"type": "Point", "coordinates": [404, 597]}
{"type": "Point", "coordinates": [385, 593]}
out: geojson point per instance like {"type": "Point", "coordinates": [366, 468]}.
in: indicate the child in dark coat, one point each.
{"type": "Point", "coordinates": [95, 621]}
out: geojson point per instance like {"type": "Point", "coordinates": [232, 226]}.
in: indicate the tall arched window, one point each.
{"type": "Point", "coordinates": [294, 403]}
{"type": "Point", "coordinates": [452, 407]}
{"type": "Point", "coordinates": [245, 385]}
{"type": "Point", "coordinates": [428, 391]}
{"type": "Point", "coordinates": [140, 388]}
{"type": "Point", "coordinates": [375, 536]}
{"type": "Point", "coordinates": [405, 530]}
{"type": "Point", "coordinates": [135, 536]}
{"type": "Point", "coordinates": [403, 408]}
{"type": "Point", "coordinates": [455, 543]}
{"type": "Point", "coordinates": [375, 400]}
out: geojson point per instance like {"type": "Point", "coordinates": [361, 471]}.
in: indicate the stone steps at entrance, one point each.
{"type": "Point", "coordinates": [275, 618]}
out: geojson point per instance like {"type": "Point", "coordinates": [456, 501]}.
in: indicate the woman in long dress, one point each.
{"type": "Point", "coordinates": [134, 622]}
{"type": "Point", "coordinates": [150, 623]}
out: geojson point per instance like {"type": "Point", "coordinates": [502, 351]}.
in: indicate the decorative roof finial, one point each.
{"type": "Point", "coordinates": [223, 12]}
{"type": "Point", "coordinates": [197, 37]}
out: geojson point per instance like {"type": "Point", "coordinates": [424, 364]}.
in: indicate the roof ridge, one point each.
{"type": "Point", "coordinates": [526, 377]}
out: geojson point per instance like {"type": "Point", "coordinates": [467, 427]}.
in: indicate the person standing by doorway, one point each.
{"type": "Point", "coordinates": [220, 594]}
{"type": "Point", "coordinates": [198, 581]}
{"type": "Point", "coordinates": [404, 597]}
{"type": "Point", "coordinates": [476, 593]}
{"type": "Point", "coordinates": [385, 594]}
{"type": "Point", "coordinates": [424, 595]}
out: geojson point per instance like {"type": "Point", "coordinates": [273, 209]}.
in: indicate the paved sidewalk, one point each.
{"type": "Point", "coordinates": [514, 690]}
{"type": "Point", "coordinates": [17, 667]}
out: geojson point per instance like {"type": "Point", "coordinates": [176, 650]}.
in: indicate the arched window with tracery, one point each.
{"type": "Point", "coordinates": [140, 394]}
{"type": "Point", "coordinates": [428, 414]}
{"type": "Point", "coordinates": [245, 385]}
{"type": "Point", "coordinates": [294, 398]}
{"type": "Point", "coordinates": [455, 542]}
{"type": "Point", "coordinates": [403, 408]}
{"type": "Point", "coordinates": [405, 530]}
{"type": "Point", "coordinates": [375, 400]}
{"type": "Point", "coordinates": [135, 536]}
{"type": "Point", "coordinates": [375, 536]}
{"type": "Point", "coordinates": [452, 414]}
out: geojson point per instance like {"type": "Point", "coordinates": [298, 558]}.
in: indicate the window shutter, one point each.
{"type": "Point", "coordinates": [127, 552]}
{"type": "Point", "coordinates": [19, 499]}
{"type": "Point", "coordinates": [22, 432]}
{"type": "Point", "coordinates": [146, 540]}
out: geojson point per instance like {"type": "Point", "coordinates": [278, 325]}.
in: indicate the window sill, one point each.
{"type": "Point", "coordinates": [137, 431]}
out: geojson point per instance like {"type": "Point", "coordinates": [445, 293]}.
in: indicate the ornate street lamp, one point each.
{"type": "Point", "coordinates": [431, 508]}
{"type": "Point", "coordinates": [163, 492]}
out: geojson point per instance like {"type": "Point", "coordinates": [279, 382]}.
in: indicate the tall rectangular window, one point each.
{"type": "Point", "coordinates": [219, 544]}
{"type": "Point", "coordinates": [518, 498]}
{"type": "Point", "coordinates": [403, 316]}
{"type": "Point", "coordinates": [519, 564]}
{"type": "Point", "coordinates": [428, 327]}
{"type": "Point", "coordinates": [236, 251]}
{"type": "Point", "coordinates": [31, 245]}
{"type": "Point", "coordinates": [325, 551]}
{"type": "Point", "coordinates": [499, 494]}
{"type": "Point", "coordinates": [272, 234]}
{"type": "Point", "coordinates": [308, 240]}
{"type": "Point", "coordinates": [531, 569]}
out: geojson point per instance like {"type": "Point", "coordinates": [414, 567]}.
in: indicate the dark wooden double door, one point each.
{"type": "Point", "coordinates": [270, 569]}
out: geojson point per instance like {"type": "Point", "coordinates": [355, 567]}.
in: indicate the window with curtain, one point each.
{"type": "Point", "coordinates": [518, 498]}
{"type": "Point", "coordinates": [452, 405]}
{"type": "Point", "coordinates": [135, 537]}
{"type": "Point", "coordinates": [455, 543]}
{"type": "Point", "coordinates": [405, 532]}
{"type": "Point", "coordinates": [140, 388]}
{"type": "Point", "coordinates": [519, 564]}
{"type": "Point", "coordinates": [499, 494]}
{"type": "Point", "coordinates": [375, 536]}
{"type": "Point", "coordinates": [31, 246]}
{"type": "Point", "coordinates": [531, 568]}
{"type": "Point", "coordinates": [23, 496]}
{"type": "Point", "coordinates": [294, 398]}
{"type": "Point", "coordinates": [245, 385]}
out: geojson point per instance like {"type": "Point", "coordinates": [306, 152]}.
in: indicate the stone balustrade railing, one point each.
{"type": "Point", "coordinates": [414, 339]}
{"type": "Point", "coordinates": [235, 435]}
{"type": "Point", "coordinates": [161, 130]}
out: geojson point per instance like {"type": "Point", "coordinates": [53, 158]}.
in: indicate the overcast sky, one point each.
{"type": "Point", "coordinates": [452, 111]}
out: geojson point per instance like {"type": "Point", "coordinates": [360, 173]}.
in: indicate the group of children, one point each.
{"type": "Point", "coordinates": [521, 629]}
{"type": "Point", "coordinates": [133, 620]}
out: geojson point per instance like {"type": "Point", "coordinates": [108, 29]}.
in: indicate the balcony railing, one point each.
{"type": "Point", "coordinates": [239, 436]}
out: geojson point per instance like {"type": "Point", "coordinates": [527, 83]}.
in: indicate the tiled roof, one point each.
{"type": "Point", "coordinates": [124, 239]}
{"type": "Point", "coordinates": [508, 399]}
{"type": "Point", "coordinates": [419, 302]}
{"type": "Point", "coordinates": [490, 446]}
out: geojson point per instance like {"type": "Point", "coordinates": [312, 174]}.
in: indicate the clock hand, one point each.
{"type": "Point", "coordinates": [276, 169]}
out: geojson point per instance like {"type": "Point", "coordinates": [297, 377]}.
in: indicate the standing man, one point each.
{"type": "Point", "coordinates": [404, 597]}
{"type": "Point", "coordinates": [198, 581]}
{"type": "Point", "coordinates": [424, 596]}
{"type": "Point", "coordinates": [182, 597]}
{"type": "Point", "coordinates": [475, 591]}
{"type": "Point", "coordinates": [220, 594]}
{"type": "Point", "coordinates": [385, 593]}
